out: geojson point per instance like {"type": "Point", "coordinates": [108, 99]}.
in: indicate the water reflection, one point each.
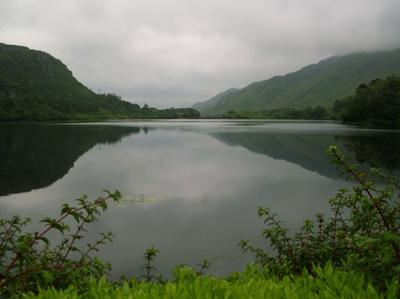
{"type": "Point", "coordinates": [35, 156]}
{"type": "Point", "coordinates": [206, 183]}
{"type": "Point", "coordinates": [307, 151]}
{"type": "Point", "coordinates": [377, 150]}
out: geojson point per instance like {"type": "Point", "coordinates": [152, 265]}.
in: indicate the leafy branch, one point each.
{"type": "Point", "coordinates": [28, 260]}
{"type": "Point", "coordinates": [362, 234]}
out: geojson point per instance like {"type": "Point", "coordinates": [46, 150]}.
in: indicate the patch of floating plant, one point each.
{"type": "Point", "coordinates": [135, 199]}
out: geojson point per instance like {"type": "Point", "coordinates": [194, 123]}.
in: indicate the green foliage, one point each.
{"type": "Point", "coordinates": [376, 104]}
{"type": "Point", "coordinates": [28, 260]}
{"type": "Point", "coordinates": [314, 85]}
{"type": "Point", "coordinates": [252, 283]}
{"type": "Point", "coordinates": [316, 113]}
{"type": "Point", "coordinates": [204, 266]}
{"type": "Point", "coordinates": [170, 113]}
{"type": "Point", "coordinates": [361, 234]}
{"type": "Point", "coordinates": [149, 255]}
{"type": "Point", "coordinates": [34, 86]}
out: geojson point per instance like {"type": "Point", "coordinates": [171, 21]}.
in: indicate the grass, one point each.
{"type": "Point", "coordinates": [251, 283]}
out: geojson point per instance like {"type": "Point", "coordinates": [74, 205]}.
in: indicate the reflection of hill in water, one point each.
{"type": "Point", "coordinates": [308, 151]}
{"type": "Point", "coordinates": [35, 156]}
{"type": "Point", "coordinates": [381, 151]}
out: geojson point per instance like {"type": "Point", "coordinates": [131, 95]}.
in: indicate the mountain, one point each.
{"type": "Point", "coordinates": [36, 86]}
{"type": "Point", "coordinates": [214, 100]}
{"type": "Point", "coordinates": [317, 84]}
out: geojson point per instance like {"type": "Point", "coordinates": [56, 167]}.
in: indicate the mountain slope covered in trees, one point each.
{"type": "Point", "coordinates": [36, 86]}
{"type": "Point", "coordinates": [314, 85]}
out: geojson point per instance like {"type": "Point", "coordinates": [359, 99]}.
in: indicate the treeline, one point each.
{"type": "Point", "coordinates": [25, 107]}
{"type": "Point", "coordinates": [103, 106]}
{"type": "Point", "coordinates": [170, 113]}
{"type": "Point", "coordinates": [317, 113]}
{"type": "Point", "coordinates": [376, 104]}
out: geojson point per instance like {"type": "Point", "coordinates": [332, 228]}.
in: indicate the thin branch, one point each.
{"type": "Point", "coordinates": [38, 236]}
{"type": "Point", "coordinates": [374, 201]}
{"type": "Point", "coordinates": [79, 229]}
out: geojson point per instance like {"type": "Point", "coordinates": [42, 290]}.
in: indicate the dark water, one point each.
{"type": "Point", "coordinates": [207, 179]}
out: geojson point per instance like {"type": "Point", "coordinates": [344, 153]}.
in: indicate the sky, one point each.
{"type": "Point", "coordinates": [176, 52]}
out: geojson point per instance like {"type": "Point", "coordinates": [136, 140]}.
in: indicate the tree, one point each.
{"type": "Point", "coordinates": [376, 104]}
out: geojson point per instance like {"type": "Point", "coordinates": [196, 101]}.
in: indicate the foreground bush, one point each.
{"type": "Point", "coordinates": [252, 283]}
{"type": "Point", "coordinates": [28, 260]}
{"type": "Point", "coordinates": [362, 233]}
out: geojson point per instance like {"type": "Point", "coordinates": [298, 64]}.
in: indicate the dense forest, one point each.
{"type": "Point", "coordinates": [376, 104]}
{"type": "Point", "coordinates": [36, 86]}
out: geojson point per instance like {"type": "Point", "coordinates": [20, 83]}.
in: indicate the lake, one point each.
{"type": "Point", "coordinates": [206, 180]}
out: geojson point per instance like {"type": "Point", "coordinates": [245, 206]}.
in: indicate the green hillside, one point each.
{"type": "Point", "coordinates": [317, 84]}
{"type": "Point", "coordinates": [36, 86]}
{"type": "Point", "coordinates": [209, 104]}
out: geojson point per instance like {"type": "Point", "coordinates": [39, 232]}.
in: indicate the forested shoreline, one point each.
{"type": "Point", "coordinates": [375, 105]}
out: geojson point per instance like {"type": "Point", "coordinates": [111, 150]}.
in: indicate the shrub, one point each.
{"type": "Point", "coordinates": [362, 233]}
{"type": "Point", "coordinates": [28, 260]}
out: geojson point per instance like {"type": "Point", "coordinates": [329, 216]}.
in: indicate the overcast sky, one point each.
{"type": "Point", "coordinates": [176, 52]}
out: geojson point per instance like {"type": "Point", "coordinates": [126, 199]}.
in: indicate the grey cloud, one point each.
{"type": "Point", "coordinates": [175, 52]}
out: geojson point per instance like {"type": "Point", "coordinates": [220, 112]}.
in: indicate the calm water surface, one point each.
{"type": "Point", "coordinates": [207, 179]}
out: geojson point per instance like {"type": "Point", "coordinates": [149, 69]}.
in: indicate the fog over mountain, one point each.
{"type": "Point", "coordinates": [175, 53]}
